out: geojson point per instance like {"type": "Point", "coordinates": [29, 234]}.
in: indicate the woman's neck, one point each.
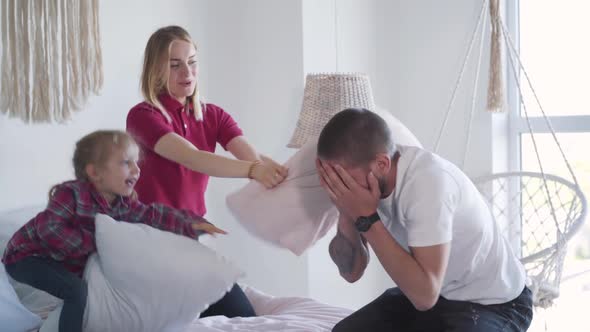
{"type": "Point", "coordinates": [181, 100]}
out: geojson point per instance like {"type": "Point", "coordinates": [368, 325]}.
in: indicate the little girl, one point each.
{"type": "Point", "coordinates": [50, 251]}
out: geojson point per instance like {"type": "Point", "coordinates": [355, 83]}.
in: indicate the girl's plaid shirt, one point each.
{"type": "Point", "coordinates": [64, 231]}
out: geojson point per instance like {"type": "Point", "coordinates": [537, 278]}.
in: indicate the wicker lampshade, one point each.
{"type": "Point", "coordinates": [325, 95]}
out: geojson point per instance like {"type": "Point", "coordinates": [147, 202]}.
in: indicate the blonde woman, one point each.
{"type": "Point", "coordinates": [177, 135]}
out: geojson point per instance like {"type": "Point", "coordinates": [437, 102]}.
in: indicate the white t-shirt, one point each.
{"type": "Point", "coordinates": [434, 203]}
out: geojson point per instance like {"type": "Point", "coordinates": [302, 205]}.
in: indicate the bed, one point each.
{"type": "Point", "coordinates": [288, 314]}
{"type": "Point", "coordinates": [285, 314]}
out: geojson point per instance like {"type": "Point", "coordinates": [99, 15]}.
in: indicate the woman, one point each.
{"type": "Point", "coordinates": [177, 135]}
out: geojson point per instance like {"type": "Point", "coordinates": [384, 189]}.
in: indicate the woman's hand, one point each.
{"type": "Point", "coordinates": [269, 173]}
{"type": "Point", "coordinates": [206, 227]}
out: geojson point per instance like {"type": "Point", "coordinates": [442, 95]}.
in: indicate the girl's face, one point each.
{"type": "Point", "coordinates": [182, 71]}
{"type": "Point", "coordinates": [118, 175]}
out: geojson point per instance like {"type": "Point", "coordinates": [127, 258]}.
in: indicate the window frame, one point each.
{"type": "Point", "coordinates": [517, 122]}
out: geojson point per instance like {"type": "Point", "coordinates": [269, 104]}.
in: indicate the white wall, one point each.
{"type": "Point", "coordinates": [422, 47]}
{"type": "Point", "coordinates": [254, 56]}
{"type": "Point", "coordinates": [253, 68]}
{"type": "Point", "coordinates": [353, 36]}
{"type": "Point", "coordinates": [34, 157]}
{"type": "Point", "coordinates": [251, 65]}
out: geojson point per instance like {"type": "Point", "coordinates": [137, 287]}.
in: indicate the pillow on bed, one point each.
{"type": "Point", "coordinates": [13, 315]}
{"type": "Point", "coordinates": [298, 212]}
{"type": "Point", "coordinates": [13, 219]}
{"type": "Point", "coordinates": [36, 301]}
{"type": "Point", "coordinates": [144, 279]}
{"type": "Point", "coordinates": [51, 323]}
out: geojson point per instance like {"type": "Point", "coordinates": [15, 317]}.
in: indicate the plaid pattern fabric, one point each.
{"type": "Point", "coordinates": [64, 231]}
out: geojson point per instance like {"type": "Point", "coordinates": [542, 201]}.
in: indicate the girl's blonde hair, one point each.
{"type": "Point", "coordinates": [155, 69]}
{"type": "Point", "coordinates": [95, 148]}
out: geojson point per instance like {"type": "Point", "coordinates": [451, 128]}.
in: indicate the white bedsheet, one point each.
{"type": "Point", "coordinates": [285, 314]}
{"type": "Point", "coordinates": [277, 314]}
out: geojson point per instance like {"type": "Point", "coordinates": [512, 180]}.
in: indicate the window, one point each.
{"type": "Point", "coordinates": [553, 46]}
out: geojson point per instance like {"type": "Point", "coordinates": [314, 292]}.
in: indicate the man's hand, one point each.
{"type": "Point", "coordinates": [346, 193]}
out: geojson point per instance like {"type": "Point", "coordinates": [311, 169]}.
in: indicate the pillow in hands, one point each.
{"type": "Point", "coordinates": [293, 215]}
{"type": "Point", "coordinates": [298, 212]}
{"type": "Point", "coordinates": [144, 279]}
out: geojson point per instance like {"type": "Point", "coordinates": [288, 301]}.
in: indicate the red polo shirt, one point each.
{"type": "Point", "coordinates": [163, 180]}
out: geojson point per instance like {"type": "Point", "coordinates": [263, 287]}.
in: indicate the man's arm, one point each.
{"type": "Point", "coordinates": [348, 249]}
{"type": "Point", "coordinates": [420, 274]}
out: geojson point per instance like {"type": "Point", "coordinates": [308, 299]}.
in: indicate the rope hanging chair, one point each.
{"type": "Point", "coordinates": [538, 213]}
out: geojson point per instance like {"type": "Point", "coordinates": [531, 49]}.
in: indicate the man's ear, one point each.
{"type": "Point", "coordinates": [92, 172]}
{"type": "Point", "coordinates": [382, 163]}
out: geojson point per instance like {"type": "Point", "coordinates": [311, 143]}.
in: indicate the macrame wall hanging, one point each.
{"type": "Point", "coordinates": [495, 84]}
{"type": "Point", "coordinates": [51, 58]}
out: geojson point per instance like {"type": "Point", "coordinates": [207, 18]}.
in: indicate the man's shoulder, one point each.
{"type": "Point", "coordinates": [424, 165]}
{"type": "Point", "coordinates": [428, 176]}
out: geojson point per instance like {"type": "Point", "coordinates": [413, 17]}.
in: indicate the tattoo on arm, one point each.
{"type": "Point", "coordinates": [343, 253]}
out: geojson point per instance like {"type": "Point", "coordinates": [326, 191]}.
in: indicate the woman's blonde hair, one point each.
{"type": "Point", "coordinates": [155, 69]}
{"type": "Point", "coordinates": [95, 148]}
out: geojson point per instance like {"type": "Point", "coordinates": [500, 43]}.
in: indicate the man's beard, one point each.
{"type": "Point", "coordinates": [382, 181]}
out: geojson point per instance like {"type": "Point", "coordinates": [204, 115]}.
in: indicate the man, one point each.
{"type": "Point", "coordinates": [430, 229]}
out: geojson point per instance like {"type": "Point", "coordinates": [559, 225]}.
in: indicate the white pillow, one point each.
{"type": "Point", "coordinates": [51, 324]}
{"type": "Point", "coordinates": [144, 279]}
{"type": "Point", "coordinates": [400, 133]}
{"type": "Point", "coordinates": [298, 212]}
{"type": "Point", "coordinates": [13, 315]}
{"type": "Point", "coordinates": [35, 300]}
{"type": "Point", "coordinates": [293, 215]}
{"type": "Point", "coordinates": [13, 219]}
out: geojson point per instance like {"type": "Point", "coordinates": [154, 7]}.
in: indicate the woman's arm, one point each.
{"type": "Point", "coordinates": [173, 147]}
{"type": "Point", "coordinates": [242, 150]}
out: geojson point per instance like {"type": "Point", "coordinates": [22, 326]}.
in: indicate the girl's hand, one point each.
{"type": "Point", "coordinates": [269, 173]}
{"type": "Point", "coordinates": [205, 227]}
